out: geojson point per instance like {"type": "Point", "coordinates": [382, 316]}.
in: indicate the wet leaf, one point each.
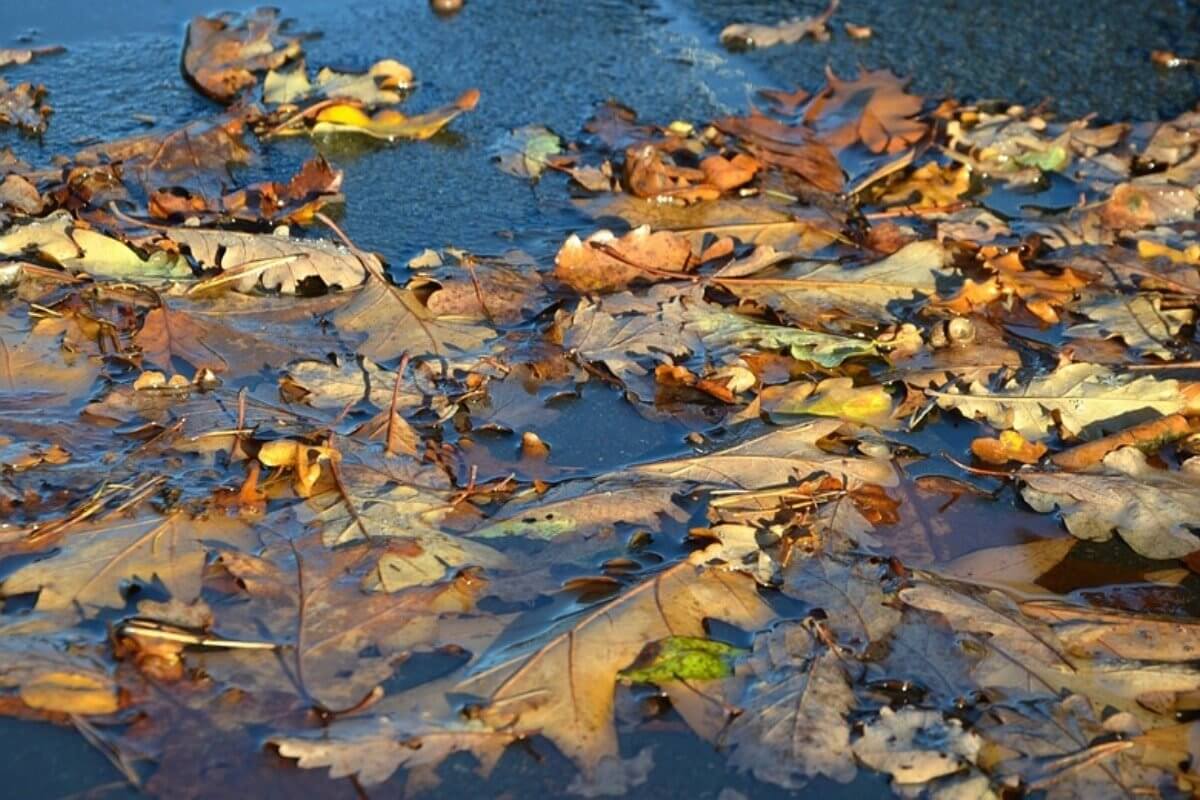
{"type": "Point", "coordinates": [582, 507]}
{"type": "Point", "coordinates": [24, 106]}
{"type": "Point", "coordinates": [833, 397]}
{"type": "Point", "coordinates": [525, 151]}
{"type": "Point", "coordinates": [270, 261]}
{"type": "Point", "coordinates": [223, 55]}
{"type": "Point", "coordinates": [776, 458]}
{"type": "Point", "coordinates": [92, 562]}
{"type": "Point", "coordinates": [790, 32]}
{"type": "Point", "coordinates": [71, 693]}
{"type": "Point", "coordinates": [1081, 396]}
{"type": "Point", "coordinates": [605, 263]}
{"type": "Point", "coordinates": [916, 746]}
{"type": "Point", "coordinates": [564, 688]}
{"type": "Point", "coordinates": [1008, 446]}
{"type": "Point", "coordinates": [872, 291]}
{"type": "Point", "coordinates": [1153, 510]}
{"type": "Point", "coordinates": [682, 658]}
{"type": "Point", "coordinates": [1139, 321]}
{"type": "Point", "coordinates": [873, 109]}
{"type": "Point", "coordinates": [390, 124]}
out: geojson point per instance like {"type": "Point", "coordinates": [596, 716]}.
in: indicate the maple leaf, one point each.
{"type": "Point", "coordinates": [793, 147]}
{"type": "Point", "coordinates": [873, 109]}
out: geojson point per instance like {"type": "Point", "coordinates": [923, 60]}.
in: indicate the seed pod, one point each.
{"type": "Point", "coordinates": [960, 330]}
{"type": "Point", "coordinates": [937, 336]}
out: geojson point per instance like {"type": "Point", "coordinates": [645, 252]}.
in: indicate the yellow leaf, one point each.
{"type": "Point", "coordinates": [71, 693]}
{"type": "Point", "coordinates": [1010, 446]}
{"type": "Point", "coordinates": [303, 459]}
{"type": "Point", "coordinates": [1148, 249]}
{"type": "Point", "coordinates": [344, 114]}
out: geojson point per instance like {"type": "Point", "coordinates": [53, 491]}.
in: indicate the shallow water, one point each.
{"type": "Point", "coordinates": [551, 63]}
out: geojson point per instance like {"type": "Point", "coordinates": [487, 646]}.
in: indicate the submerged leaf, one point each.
{"type": "Point", "coordinates": [682, 658]}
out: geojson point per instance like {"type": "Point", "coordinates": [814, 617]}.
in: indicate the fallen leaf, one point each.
{"type": "Point", "coordinates": [1148, 437]}
{"type": "Point", "coordinates": [873, 109]}
{"type": "Point", "coordinates": [1153, 510]}
{"type": "Point", "coordinates": [605, 263]}
{"type": "Point", "coordinates": [772, 459]}
{"type": "Point", "coordinates": [24, 106]}
{"type": "Point", "coordinates": [565, 687]}
{"type": "Point", "coordinates": [390, 124]}
{"type": "Point", "coordinates": [1139, 321]}
{"type": "Point", "coordinates": [1008, 446]}
{"type": "Point", "coordinates": [873, 291]}
{"type": "Point", "coordinates": [71, 693]}
{"type": "Point", "coordinates": [270, 261]}
{"type": "Point", "coordinates": [916, 746]}
{"type": "Point", "coordinates": [222, 55]}
{"type": "Point", "coordinates": [790, 32]}
{"type": "Point", "coordinates": [1081, 396]}
{"type": "Point", "coordinates": [92, 562]}
{"type": "Point", "coordinates": [832, 397]}
{"type": "Point", "coordinates": [793, 147]}
{"type": "Point", "coordinates": [1143, 205]}
{"type": "Point", "coordinates": [524, 152]}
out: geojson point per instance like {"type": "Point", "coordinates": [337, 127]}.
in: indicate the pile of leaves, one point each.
{"type": "Point", "coordinates": [254, 486]}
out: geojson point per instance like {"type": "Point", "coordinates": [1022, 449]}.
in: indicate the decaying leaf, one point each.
{"type": "Point", "coordinates": [524, 152]}
{"type": "Point", "coordinates": [386, 513]}
{"type": "Point", "coordinates": [916, 746]}
{"type": "Point", "coordinates": [92, 563]}
{"type": "Point", "coordinates": [773, 459]}
{"type": "Point", "coordinates": [24, 106]}
{"type": "Point", "coordinates": [1153, 510]}
{"type": "Point", "coordinates": [275, 262]}
{"type": "Point", "coordinates": [564, 688]}
{"type": "Point", "coordinates": [223, 55]}
{"type": "Point", "coordinates": [1008, 446]}
{"type": "Point", "coordinates": [1139, 321]}
{"type": "Point", "coordinates": [873, 109]}
{"type": "Point", "coordinates": [1081, 396]}
{"type": "Point", "coordinates": [752, 35]}
{"type": "Point", "coordinates": [606, 263]}
{"type": "Point", "coordinates": [872, 291]}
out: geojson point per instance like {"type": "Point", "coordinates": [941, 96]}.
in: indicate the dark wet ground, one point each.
{"type": "Point", "coordinates": [551, 62]}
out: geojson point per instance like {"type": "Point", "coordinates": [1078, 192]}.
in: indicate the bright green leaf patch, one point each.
{"type": "Point", "coordinates": [683, 658]}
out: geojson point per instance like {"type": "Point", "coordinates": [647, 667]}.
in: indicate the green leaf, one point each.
{"type": "Point", "coordinates": [523, 152]}
{"type": "Point", "coordinates": [682, 658]}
